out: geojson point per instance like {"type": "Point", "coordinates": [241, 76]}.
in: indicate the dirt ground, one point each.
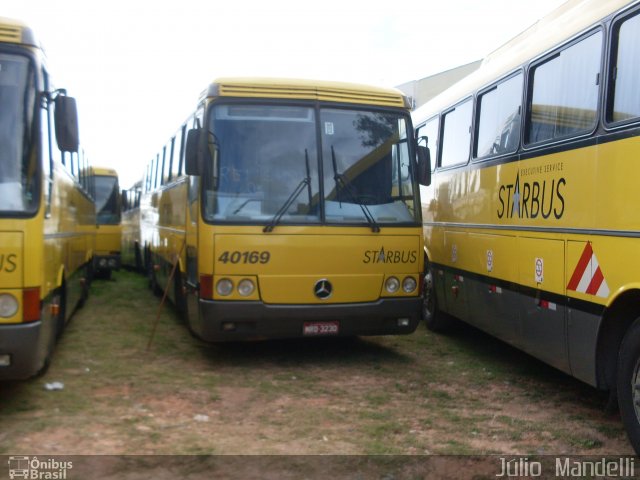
{"type": "Point", "coordinates": [441, 406]}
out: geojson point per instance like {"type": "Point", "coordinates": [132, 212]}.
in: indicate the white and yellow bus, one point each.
{"type": "Point", "coordinates": [130, 248]}
{"type": "Point", "coordinates": [291, 209]}
{"type": "Point", "coordinates": [105, 189]}
{"type": "Point", "coordinates": [47, 218]}
{"type": "Point", "coordinates": [531, 232]}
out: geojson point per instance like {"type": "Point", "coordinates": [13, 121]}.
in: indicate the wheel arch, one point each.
{"type": "Point", "coordinates": [616, 320]}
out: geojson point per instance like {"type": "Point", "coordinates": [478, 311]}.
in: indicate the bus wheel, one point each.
{"type": "Point", "coordinates": [59, 320]}
{"type": "Point", "coordinates": [435, 320]}
{"type": "Point", "coordinates": [180, 295]}
{"type": "Point", "coordinates": [629, 384]}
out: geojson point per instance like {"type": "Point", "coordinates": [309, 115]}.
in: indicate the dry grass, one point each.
{"type": "Point", "coordinates": [421, 394]}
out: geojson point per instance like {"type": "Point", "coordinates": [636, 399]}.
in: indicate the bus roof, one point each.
{"type": "Point", "coordinates": [570, 19]}
{"type": "Point", "coordinates": [262, 87]}
{"type": "Point", "coordinates": [103, 171]}
{"type": "Point", "coordinates": [15, 31]}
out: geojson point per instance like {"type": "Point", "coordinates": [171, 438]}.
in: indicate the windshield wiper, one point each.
{"type": "Point", "coordinates": [339, 178]}
{"type": "Point", "coordinates": [285, 206]}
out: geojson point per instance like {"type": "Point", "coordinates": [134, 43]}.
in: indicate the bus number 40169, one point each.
{"type": "Point", "coordinates": [244, 257]}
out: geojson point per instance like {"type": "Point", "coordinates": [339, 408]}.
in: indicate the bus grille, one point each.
{"type": "Point", "coordinates": [10, 33]}
{"type": "Point", "coordinates": [311, 92]}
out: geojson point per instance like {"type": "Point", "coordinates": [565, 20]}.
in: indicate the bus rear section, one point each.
{"type": "Point", "coordinates": [310, 282]}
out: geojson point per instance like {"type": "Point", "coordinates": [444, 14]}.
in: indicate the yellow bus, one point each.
{"type": "Point", "coordinates": [290, 208]}
{"type": "Point", "coordinates": [130, 248]}
{"type": "Point", "coordinates": [47, 218]}
{"type": "Point", "coordinates": [530, 229]}
{"type": "Point", "coordinates": [105, 189]}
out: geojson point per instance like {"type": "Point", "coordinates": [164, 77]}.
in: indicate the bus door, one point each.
{"type": "Point", "coordinates": [543, 328]}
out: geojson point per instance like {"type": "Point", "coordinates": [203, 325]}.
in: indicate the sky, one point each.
{"type": "Point", "coordinates": [137, 68]}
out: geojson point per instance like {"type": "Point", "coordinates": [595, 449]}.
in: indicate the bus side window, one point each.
{"type": "Point", "coordinates": [564, 98]}
{"type": "Point", "coordinates": [624, 103]}
{"type": "Point", "coordinates": [498, 125]}
{"type": "Point", "coordinates": [178, 154]}
{"type": "Point", "coordinates": [456, 134]}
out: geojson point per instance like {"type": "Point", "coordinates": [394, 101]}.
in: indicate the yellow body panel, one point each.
{"type": "Point", "coordinates": [353, 259]}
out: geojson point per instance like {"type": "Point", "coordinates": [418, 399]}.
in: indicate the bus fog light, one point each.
{"type": "Point", "coordinates": [409, 284]}
{"type": "Point", "coordinates": [246, 287]}
{"type": "Point", "coordinates": [8, 305]}
{"type": "Point", "coordinates": [392, 284]}
{"type": "Point", "coordinates": [403, 322]}
{"type": "Point", "coordinates": [228, 326]}
{"type": "Point", "coordinates": [5, 360]}
{"type": "Point", "coordinates": [224, 287]}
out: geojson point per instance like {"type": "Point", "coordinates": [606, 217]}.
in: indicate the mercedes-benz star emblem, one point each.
{"type": "Point", "coordinates": [323, 289]}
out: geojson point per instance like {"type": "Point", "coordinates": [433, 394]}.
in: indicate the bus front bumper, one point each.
{"type": "Point", "coordinates": [230, 321]}
{"type": "Point", "coordinates": [20, 357]}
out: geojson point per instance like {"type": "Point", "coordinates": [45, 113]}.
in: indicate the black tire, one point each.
{"type": "Point", "coordinates": [434, 319]}
{"type": "Point", "coordinates": [629, 384]}
{"type": "Point", "coordinates": [60, 321]}
{"type": "Point", "coordinates": [180, 296]}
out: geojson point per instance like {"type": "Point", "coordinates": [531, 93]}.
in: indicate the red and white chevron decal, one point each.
{"type": "Point", "coordinates": [587, 276]}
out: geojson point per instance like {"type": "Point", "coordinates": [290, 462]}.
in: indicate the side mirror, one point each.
{"type": "Point", "coordinates": [214, 153]}
{"type": "Point", "coordinates": [424, 166]}
{"type": "Point", "coordinates": [192, 164]}
{"type": "Point", "coordinates": [66, 121]}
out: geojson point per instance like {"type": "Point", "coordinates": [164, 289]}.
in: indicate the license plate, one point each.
{"type": "Point", "coordinates": [320, 328]}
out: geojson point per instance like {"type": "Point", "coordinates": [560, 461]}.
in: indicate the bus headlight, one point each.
{"type": "Point", "coordinates": [392, 284]}
{"type": "Point", "coordinates": [409, 284]}
{"type": "Point", "coordinates": [224, 287]}
{"type": "Point", "coordinates": [8, 305]}
{"type": "Point", "coordinates": [246, 287]}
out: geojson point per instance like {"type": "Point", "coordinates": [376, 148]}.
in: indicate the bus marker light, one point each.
{"type": "Point", "coordinates": [409, 284]}
{"type": "Point", "coordinates": [5, 360]}
{"type": "Point", "coordinates": [31, 304]}
{"type": "Point", "coordinates": [246, 287]}
{"type": "Point", "coordinates": [8, 305]}
{"type": "Point", "coordinates": [54, 308]}
{"type": "Point", "coordinates": [392, 284]}
{"type": "Point", "coordinates": [224, 287]}
{"type": "Point", "coordinates": [206, 286]}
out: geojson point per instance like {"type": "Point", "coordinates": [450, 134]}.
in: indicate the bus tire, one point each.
{"type": "Point", "coordinates": [180, 296]}
{"type": "Point", "coordinates": [59, 320]}
{"type": "Point", "coordinates": [629, 384]}
{"type": "Point", "coordinates": [434, 319]}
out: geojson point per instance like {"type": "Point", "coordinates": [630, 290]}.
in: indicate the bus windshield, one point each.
{"type": "Point", "coordinates": [107, 207]}
{"type": "Point", "coordinates": [18, 172]}
{"type": "Point", "coordinates": [270, 158]}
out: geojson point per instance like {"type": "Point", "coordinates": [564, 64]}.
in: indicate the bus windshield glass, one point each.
{"type": "Point", "coordinates": [18, 172]}
{"type": "Point", "coordinates": [107, 207]}
{"type": "Point", "coordinates": [269, 160]}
